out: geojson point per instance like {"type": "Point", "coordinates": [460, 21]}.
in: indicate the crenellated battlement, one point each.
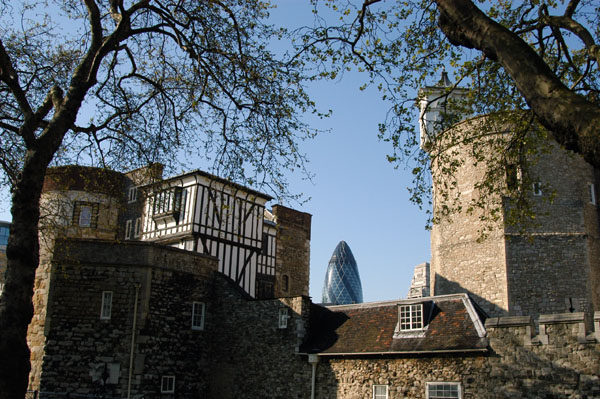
{"type": "Point", "coordinates": [548, 329]}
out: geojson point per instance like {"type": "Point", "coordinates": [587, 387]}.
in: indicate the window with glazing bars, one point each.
{"type": "Point", "coordinates": [198, 316]}
{"type": "Point", "coordinates": [106, 307]}
{"type": "Point", "coordinates": [380, 392]}
{"type": "Point", "coordinates": [443, 390]}
{"type": "Point", "coordinates": [411, 317]}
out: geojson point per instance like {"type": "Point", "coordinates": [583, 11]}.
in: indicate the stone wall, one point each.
{"type": "Point", "coordinates": [511, 271]}
{"type": "Point", "coordinates": [75, 351]}
{"type": "Point", "coordinates": [460, 260]}
{"type": "Point", "coordinates": [293, 251]}
{"type": "Point", "coordinates": [241, 351]}
{"type": "Point", "coordinates": [252, 356]}
{"type": "Point", "coordinates": [563, 361]}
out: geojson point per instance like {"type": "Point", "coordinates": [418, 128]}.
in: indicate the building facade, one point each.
{"type": "Point", "coordinates": [122, 313]}
{"type": "Point", "coordinates": [511, 271]}
{"type": "Point", "coordinates": [342, 281]}
{"type": "Point", "coordinates": [419, 285]}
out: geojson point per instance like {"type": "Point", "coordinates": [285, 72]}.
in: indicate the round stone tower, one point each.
{"type": "Point", "coordinates": [552, 266]}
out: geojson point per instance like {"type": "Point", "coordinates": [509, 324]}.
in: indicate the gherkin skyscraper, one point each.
{"type": "Point", "coordinates": [342, 281]}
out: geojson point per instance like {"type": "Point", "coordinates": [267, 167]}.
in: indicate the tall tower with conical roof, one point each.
{"type": "Point", "coordinates": [342, 281]}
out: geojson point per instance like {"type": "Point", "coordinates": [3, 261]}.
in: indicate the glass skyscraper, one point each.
{"type": "Point", "coordinates": [342, 281]}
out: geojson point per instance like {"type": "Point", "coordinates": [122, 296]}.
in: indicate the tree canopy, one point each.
{"type": "Point", "coordinates": [120, 84]}
{"type": "Point", "coordinates": [532, 65]}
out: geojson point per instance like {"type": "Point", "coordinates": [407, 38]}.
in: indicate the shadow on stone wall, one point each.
{"type": "Point", "coordinates": [452, 287]}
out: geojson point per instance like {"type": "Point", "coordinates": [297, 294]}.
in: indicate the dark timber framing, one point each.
{"type": "Point", "coordinates": [217, 218]}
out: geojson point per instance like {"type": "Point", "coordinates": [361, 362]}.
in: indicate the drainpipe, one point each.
{"type": "Point", "coordinates": [313, 359]}
{"type": "Point", "coordinates": [137, 292]}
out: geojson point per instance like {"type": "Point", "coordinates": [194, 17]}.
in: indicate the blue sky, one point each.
{"type": "Point", "coordinates": [356, 195]}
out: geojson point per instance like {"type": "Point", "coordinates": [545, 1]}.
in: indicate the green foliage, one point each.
{"type": "Point", "coordinates": [399, 46]}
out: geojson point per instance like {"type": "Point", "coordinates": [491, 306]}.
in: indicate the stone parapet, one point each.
{"type": "Point", "coordinates": [133, 254]}
{"type": "Point", "coordinates": [564, 325]}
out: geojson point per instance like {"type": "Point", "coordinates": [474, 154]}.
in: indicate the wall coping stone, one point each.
{"type": "Point", "coordinates": [562, 318]}
{"type": "Point", "coordinates": [133, 253]}
{"type": "Point", "coordinates": [508, 321]}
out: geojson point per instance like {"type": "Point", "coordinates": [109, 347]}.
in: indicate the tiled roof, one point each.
{"type": "Point", "coordinates": [455, 324]}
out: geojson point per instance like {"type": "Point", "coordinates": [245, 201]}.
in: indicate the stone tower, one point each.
{"type": "Point", "coordinates": [553, 268]}
{"type": "Point", "coordinates": [293, 251]}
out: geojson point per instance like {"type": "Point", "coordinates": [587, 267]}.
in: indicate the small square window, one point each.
{"type": "Point", "coordinates": [106, 308]}
{"type": "Point", "coordinates": [283, 317]}
{"type": "Point", "coordinates": [380, 392]}
{"type": "Point", "coordinates": [410, 317]}
{"type": "Point", "coordinates": [132, 196]}
{"type": "Point", "coordinates": [443, 390]}
{"type": "Point", "coordinates": [537, 189]}
{"type": "Point", "coordinates": [198, 315]}
{"type": "Point", "coordinates": [167, 384]}
{"type": "Point", "coordinates": [592, 193]}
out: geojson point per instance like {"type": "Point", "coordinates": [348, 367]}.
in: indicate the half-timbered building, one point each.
{"type": "Point", "coordinates": [200, 212]}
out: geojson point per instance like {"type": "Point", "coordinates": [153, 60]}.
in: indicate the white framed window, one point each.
{"type": "Point", "coordinates": [410, 317]}
{"type": "Point", "coordinates": [137, 230]}
{"type": "Point", "coordinates": [592, 193]}
{"type": "Point", "coordinates": [106, 308]}
{"type": "Point", "coordinates": [283, 317]}
{"type": "Point", "coordinates": [198, 309]}
{"type": "Point", "coordinates": [128, 229]}
{"type": "Point", "coordinates": [167, 384]}
{"type": "Point", "coordinates": [380, 392]}
{"type": "Point", "coordinates": [132, 196]}
{"type": "Point", "coordinates": [537, 189]}
{"type": "Point", "coordinates": [443, 390]}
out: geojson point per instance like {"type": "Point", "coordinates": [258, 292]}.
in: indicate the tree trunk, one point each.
{"type": "Point", "coordinates": [574, 121]}
{"type": "Point", "coordinates": [16, 307]}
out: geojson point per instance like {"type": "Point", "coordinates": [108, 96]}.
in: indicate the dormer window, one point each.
{"type": "Point", "coordinates": [410, 317]}
{"type": "Point", "coordinates": [414, 318]}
